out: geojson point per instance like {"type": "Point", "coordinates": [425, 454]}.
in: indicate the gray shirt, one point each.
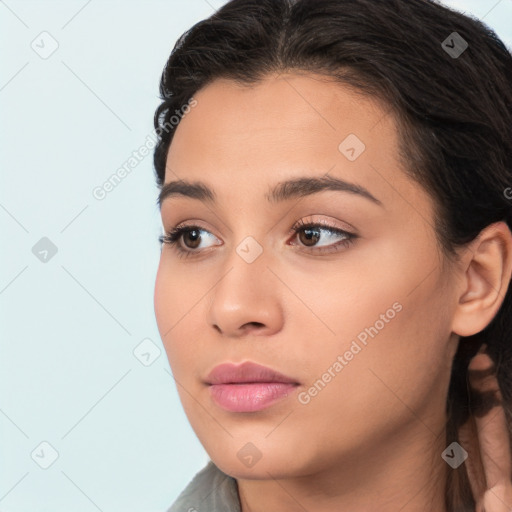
{"type": "Point", "coordinates": [210, 490]}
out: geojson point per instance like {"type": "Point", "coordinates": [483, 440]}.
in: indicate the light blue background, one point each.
{"type": "Point", "coordinates": [69, 326]}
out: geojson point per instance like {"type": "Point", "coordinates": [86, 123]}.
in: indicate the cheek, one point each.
{"type": "Point", "coordinates": [162, 300]}
{"type": "Point", "coordinates": [178, 305]}
{"type": "Point", "coordinates": [389, 321]}
{"type": "Point", "coordinates": [176, 293]}
{"type": "Point", "coordinates": [169, 300]}
{"type": "Point", "coordinates": [390, 374]}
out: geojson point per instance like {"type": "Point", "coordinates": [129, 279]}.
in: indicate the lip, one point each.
{"type": "Point", "coordinates": [247, 372]}
{"type": "Point", "coordinates": [247, 387]}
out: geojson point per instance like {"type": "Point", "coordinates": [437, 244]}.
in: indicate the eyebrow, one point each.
{"type": "Point", "coordinates": [290, 189]}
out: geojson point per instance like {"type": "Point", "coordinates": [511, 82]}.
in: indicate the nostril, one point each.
{"type": "Point", "coordinates": [252, 324]}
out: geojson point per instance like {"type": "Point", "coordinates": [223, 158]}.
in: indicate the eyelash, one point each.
{"type": "Point", "coordinates": [173, 236]}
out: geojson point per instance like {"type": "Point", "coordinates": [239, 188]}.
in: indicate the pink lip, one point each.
{"type": "Point", "coordinates": [247, 387]}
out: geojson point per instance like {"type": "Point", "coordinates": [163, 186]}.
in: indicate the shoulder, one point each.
{"type": "Point", "coordinates": [210, 490]}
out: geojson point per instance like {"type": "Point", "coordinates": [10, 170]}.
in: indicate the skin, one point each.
{"type": "Point", "coordinates": [487, 441]}
{"type": "Point", "coordinates": [375, 433]}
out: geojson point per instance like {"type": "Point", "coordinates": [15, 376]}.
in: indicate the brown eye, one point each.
{"type": "Point", "coordinates": [187, 240]}
{"type": "Point", "coordinates": [192, 238]}
{"type": "Point", "coordinates": [311, 236]}
{"type": "Point", "coordinates": [321, 237]}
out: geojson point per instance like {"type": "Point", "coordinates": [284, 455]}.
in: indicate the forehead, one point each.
{"type": "Point", "coordinates": [281, 107]}
{"type": "Point", "coordinates": [243, 138]}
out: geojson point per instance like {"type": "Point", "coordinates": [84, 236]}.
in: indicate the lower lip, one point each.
{"type": "Point", "coordinates": [249, 397]}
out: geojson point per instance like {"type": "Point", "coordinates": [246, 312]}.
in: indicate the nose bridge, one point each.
{"type": "Point", "coordinates": [246, 292]}
{"type": "Point", "coordinates": [245, 275]}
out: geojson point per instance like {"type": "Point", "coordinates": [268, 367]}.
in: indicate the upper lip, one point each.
{"type": "Point", "coordinates": [229, 373]}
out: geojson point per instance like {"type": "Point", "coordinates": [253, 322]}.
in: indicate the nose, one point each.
{"type": "Point", "coordinates": [246, 300]}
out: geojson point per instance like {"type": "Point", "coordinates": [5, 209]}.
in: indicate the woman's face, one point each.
{"type": "Point", "coordinates": [361, 326]}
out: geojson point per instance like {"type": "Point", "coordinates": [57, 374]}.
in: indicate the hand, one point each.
{"type": "Point", "coordinates": [486, 438]}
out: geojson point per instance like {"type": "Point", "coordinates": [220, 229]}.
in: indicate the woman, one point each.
{"type": "Point", "coordinates": [333, 290]}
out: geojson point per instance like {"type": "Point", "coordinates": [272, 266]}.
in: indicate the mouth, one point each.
{"type": "Point", "coordinates": [248, 387]}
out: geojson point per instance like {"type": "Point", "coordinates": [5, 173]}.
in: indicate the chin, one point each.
{"type": "Point", "coordinates": [260, 470]}
{"type": "Point", "coordinates": [245, 461]}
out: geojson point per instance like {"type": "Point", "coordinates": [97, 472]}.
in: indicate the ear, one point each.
{"type": "Point", "coordinates": [485, 277]}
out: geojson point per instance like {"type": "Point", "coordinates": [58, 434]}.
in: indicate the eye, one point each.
{"type": "Point", "coordinates": [310, 233]}
{"type": "Point", "coordinates": [191, 236]}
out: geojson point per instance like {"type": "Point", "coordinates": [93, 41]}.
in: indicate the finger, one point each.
{"type": "Point", "coordinates": [498, 499]}
{"type": "Point", "coordinates": [490, 420]}
{"type": "Point", "coordinates": [468, 439]}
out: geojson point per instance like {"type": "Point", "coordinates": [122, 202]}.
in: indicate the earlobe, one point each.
{"type": "Point", "coordinates": [487, 267]}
